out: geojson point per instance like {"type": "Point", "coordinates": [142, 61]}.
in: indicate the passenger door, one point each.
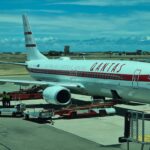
{"type": "Point", "coordinates": [135, 78]}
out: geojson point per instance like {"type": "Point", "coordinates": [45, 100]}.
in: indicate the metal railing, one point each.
{"type": "Point", "coordinates": [139, 128]}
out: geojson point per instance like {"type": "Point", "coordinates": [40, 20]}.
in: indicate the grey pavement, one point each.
{"type": "Point", "coordinates": [96, 129]}
{"type": "Point", "coordinates": [18, 134]}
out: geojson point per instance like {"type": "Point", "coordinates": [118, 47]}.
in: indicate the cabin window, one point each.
{"type": "Point", "coordinates": [38, 65]}
{"type": "Point", "coordinates": [96, 75]}
{"type": "Point", "coordinates": [148, 77]}
{"type": "Point", "coordinates": [109, 76]}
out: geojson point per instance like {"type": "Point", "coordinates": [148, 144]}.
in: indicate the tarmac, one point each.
{"type": "Point", "coordinates": [97, 133]}
{"type": "Point", "coordinates": [18, 134]}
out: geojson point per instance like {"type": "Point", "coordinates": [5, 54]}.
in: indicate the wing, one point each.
{"type": "Point", "coordinates": [13, 63]}
{"type": "Point", "coordinates": [47, 83]}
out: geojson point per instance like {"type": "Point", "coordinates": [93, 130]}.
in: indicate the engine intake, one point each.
{"type": "Point", "coordinates": [57, 95]}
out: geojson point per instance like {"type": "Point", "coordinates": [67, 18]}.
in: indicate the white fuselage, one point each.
{"type": "Point", "coordinates": [130, 79]}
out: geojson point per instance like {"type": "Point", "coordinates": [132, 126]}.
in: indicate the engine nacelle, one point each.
{"type": "Point", "coordinates": [57, 95]}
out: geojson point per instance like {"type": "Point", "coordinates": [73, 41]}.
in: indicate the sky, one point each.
{"type": "Point", "coordinates": [85, 25]}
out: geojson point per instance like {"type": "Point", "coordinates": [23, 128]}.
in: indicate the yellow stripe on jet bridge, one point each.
{"type": "Point", "coordinates": [146, 138]}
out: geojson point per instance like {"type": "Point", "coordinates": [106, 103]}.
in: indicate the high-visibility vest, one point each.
{"type": "Point", "coordinates": [6, 97]}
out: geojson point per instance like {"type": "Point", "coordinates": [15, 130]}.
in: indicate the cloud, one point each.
{"type": "Point", "coordinates": [40, 11]}
{"type": "Point", "coordinates": [80, 26]}
{"type": "Point", "coordinates": [89, 25]}
{"type": "Point", "coordinates": [90, 44]}
{"type": "Point", "coordinates": [8, 18]}
{"type": "Point", "coordinates": [146, 38]}
{"type": "Point", "coordinates": [82, 30]}
{"type": "Point", "coordinates": [15, 17]}
{"type": "Point", "coordinates": [102, 2]}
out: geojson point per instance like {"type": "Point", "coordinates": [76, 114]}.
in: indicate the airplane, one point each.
{"type": "Point", "coordinates": [120, 79]}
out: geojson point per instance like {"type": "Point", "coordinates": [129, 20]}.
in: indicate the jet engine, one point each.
{"type": "Point", "coordinates": [57, 95]}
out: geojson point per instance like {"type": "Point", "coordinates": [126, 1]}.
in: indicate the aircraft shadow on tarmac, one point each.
{"type": "Point", "coordinates": [9, 116]}
{"type": "Point", "coordinates": [36, 120]}
{"type": "Point", "coordinates": [39, 121]}
{"type": "Point", "coordinates": [4, 146]}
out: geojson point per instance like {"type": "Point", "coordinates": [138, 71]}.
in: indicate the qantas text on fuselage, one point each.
{"type": "Point", "coordinates": [106, 67]}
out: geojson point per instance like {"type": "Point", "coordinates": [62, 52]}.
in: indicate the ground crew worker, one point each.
{"type": "Point", "coordinates": [4, 99]}
{"type": "Point", "coordinates": [51, 121]}
{"type": "Point", "coordinates": [52, 114]}
{"type": "Point", "coordinates": [8, 98]}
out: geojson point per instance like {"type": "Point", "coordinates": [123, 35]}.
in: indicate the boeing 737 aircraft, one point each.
{"type": "Point", "coordinates": [126, 80]}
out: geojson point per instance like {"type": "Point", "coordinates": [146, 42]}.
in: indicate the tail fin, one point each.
{"type": "Point", "coordinates": [32, 52]}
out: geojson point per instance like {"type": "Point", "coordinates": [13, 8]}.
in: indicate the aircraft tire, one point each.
{"type": "Point", "coordinates": [14, 114]}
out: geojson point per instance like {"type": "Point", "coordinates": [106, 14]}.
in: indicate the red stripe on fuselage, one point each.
{"type": "Point", "coordinates": [30, 45]}
{"type": "Point", "coordinates": [29, 32]}
{"type": "Point", "coordinates": [111, 76]}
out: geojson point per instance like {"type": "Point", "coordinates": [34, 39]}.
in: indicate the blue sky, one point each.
{"type": "Point", "coordinates": [85, 25]}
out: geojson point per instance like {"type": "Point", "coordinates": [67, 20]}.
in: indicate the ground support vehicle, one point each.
{"type": "Point", "coordinates": [92, 110]}
{"type": "Point", "coordinates": [40, 115]}
{"type": "Point", "coordinates": [16, 111]}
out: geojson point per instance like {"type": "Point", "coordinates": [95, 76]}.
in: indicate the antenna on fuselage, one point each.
{"type": "Point", "coordinates": [83, 57]}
